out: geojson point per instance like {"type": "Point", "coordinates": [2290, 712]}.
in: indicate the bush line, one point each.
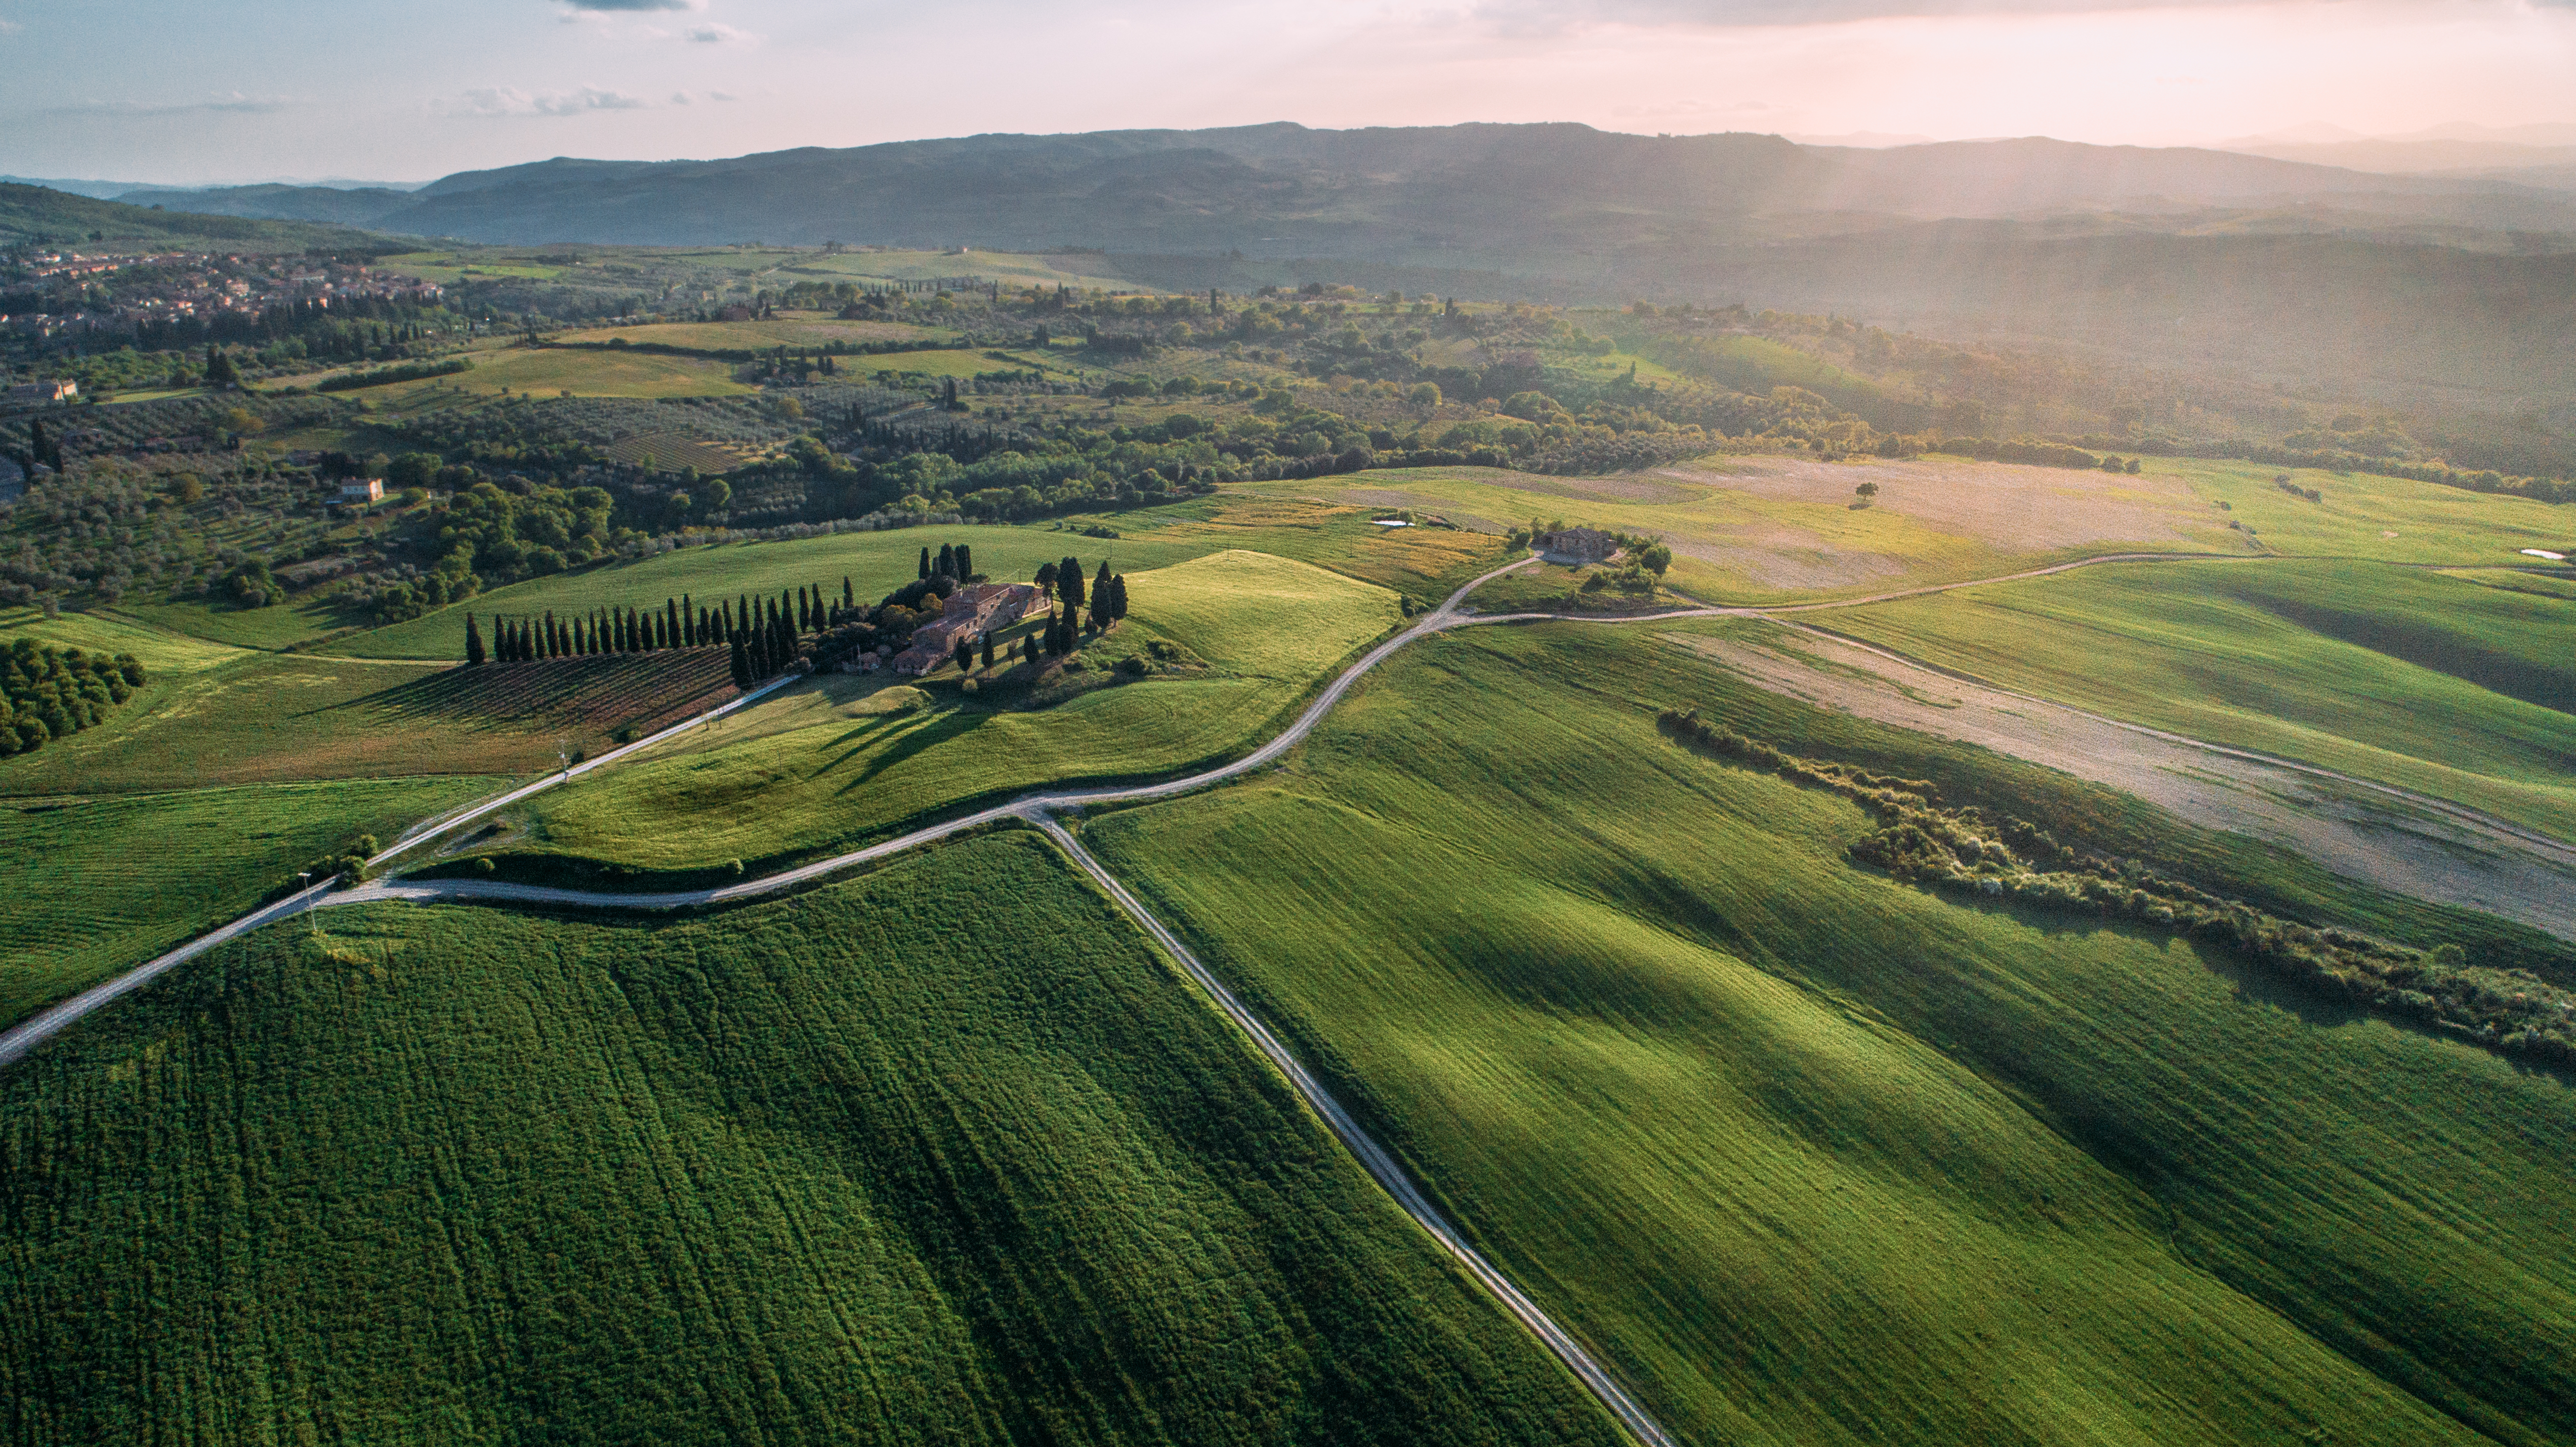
{"type": "Point", "coordinates": [1994, 855]}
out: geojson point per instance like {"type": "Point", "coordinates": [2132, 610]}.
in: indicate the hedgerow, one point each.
{"type": "Point", "coordinates": [1994, 855]}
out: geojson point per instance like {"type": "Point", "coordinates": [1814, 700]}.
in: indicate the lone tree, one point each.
{"type": "Point", "coordinates": [473, 642]}
{"type": "Point", "coordinates": [1867, 490]}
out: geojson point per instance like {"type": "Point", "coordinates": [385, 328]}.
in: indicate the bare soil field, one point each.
{"type": "Point", "coordinates": [2357, 832]}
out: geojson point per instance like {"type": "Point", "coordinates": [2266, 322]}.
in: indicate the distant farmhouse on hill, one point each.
{"type": "Point", "coordinates": [1575, 547]}
{"type": "Point", "coordinates": [968, 613]}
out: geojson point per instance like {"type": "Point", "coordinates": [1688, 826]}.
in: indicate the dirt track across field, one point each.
{"type": "Point", "coordinates": [2361, 833]}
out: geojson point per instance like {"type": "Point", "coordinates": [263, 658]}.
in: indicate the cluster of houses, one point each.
{"type": "Point", "coordinates": [219, 284]}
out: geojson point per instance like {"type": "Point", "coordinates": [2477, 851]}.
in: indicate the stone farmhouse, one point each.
{"type": "Point", "coordinates": [968, 613]}
{"type": "Point", "coordinates": [1575, 547]}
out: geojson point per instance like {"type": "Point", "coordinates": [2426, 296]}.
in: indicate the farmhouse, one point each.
{"type": "Point", "coordinates": [363, 490]}
{"type": "Point", "coordinates": [1575, 547]}
{"type": "Point", "coordinates": [41, 392]}
{"type": "Point", "coordinates": [968, 612]}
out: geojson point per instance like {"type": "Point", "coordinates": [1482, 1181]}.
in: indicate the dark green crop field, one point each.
{"type": "Point", "coordinates": [939, 1155]}
{"type": "Point", "coordinates": [1817, 1157]}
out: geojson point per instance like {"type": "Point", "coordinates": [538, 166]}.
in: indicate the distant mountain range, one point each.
{"type": "Point", "coordinates": [2425, 286]}
{"type": "Point", "coordinates": [1481, 195]}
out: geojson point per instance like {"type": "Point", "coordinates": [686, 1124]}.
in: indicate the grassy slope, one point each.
{"type": "Point", "coordinates": [2431, 523]}
{"type": "Point", "coordinates": [162, 653]}
{"type": "Point", "coordinates": [89, 887]}
{"type": "Point", "coordinates": [1870, 550]}
{"type": "Point", "coordinates": [2392, 674]}
{"type": "Point", "coordinates": [1821, 1158]}
{"type": "Point", "coordinates": [1270, 626]}
{"type": "Point", "coordinates": [1425, 564]}
{"type": "Point", "coordinates": [940, 1155]}
{"type": "Point", "coordinates": [276, 627]}
{"type": "Point", "coordinates": [876, 563]}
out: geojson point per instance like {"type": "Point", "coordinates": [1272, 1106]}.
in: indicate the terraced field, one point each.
{"type": "Point", "coordinates": [945, 1154]}
{"type": "Point", "coordinates": [1819, 1157]}
{"type": "Point", "coordinates": [90, 887]}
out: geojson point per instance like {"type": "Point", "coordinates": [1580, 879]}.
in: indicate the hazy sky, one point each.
{"type": "Point", "coordinates": [163, 91]}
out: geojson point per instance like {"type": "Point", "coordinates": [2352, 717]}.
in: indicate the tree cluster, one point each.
{"type": "Point", "coordinates": [49, 693]}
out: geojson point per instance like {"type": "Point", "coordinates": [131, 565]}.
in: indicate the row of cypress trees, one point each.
{"type": "Point", "coordinates": [679, 623]}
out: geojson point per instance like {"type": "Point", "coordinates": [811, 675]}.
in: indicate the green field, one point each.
{"type": "Point", "coordinates": [2399, 675]}
{"type": "Point", "coordinates": [1770, 530]}
{"type": "Point", "coordinates": [2378, 519]}
{"type": "Point", "coordinates": [829, 764]}
{"type": "Point", "coordinates": [280, 625]}
{"type": "Point", "coordinates": [265, 719]}
{"type": "Point", "coordinates": [1780, 529]}
{"type": "Point", "coordinates": [92, 887]}
{"type": "Point", "coordinates": [584, 373]}
{"type": "Point", "coordinates": [1424, 564]}
{"type": "Point", "coordinates": [796, 331]}
{"type": "Point", "coordinates": [876, 563]}
{"type": "Point", "coordinates": [2517, 580]}
{"type": "Point", "coordinates": [163, 654]}
{"type": "Point", "coordinates": [945, 1155]}
{"type": "Point", "coordinates": [1815, 1157]}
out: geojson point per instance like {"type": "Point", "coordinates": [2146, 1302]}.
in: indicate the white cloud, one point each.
{"type": "Point", "coordinates": [511, 101]}
{"type": "Point", "coordinates": [10, 27]}
{"type": "Point", "coordinates": [715, 34]}
{"type": "Point", "coordinates": [631, 6]}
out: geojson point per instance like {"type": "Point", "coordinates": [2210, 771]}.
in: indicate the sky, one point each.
{"type": "Point", "coordinates": [161, 91]}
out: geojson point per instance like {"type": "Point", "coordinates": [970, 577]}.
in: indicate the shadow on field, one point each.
{"type": "Point", "coordinates": [572, 693]}
{"type": "Point", "coordinates": [924, 734]}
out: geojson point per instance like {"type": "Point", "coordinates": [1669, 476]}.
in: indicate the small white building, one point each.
{"type": "Point", "coordinates": [42, 392]}
{"type": "Point", "coordinates": [363, 490]}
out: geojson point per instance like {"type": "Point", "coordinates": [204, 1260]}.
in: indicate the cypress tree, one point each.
{"type": "Point", "coordinates": [925, 558]}
{"type": "Point", "coordinates": [965, 562]}
{"type": "Point", "coordinates": [473, 642]}
{"type": "Point", "coordinates": [947, 560]}
{"type": "Point", "coordinates": [741, 663]}
{"type": "Point", "coordinates": [1068, 582]}
{"type": "Point", "coordinates": [988, 650]}
{"type": "Point", "coordinates": [670, 623]}
{"type": "Point", "coordinates": [965, 655]}
{"type": "Point", "coordinates": [1046, 579]}
{"type": "Point", "coordinates": [805, 620]}
{"type": "Point", "coordinates": [689, 619]}
{"type": "Point", "coordinates": [1118, 596]}
{"type": "Point", "coordinates": [849, 598]}
{"type": "Point", "coordinates": [554, 636]}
